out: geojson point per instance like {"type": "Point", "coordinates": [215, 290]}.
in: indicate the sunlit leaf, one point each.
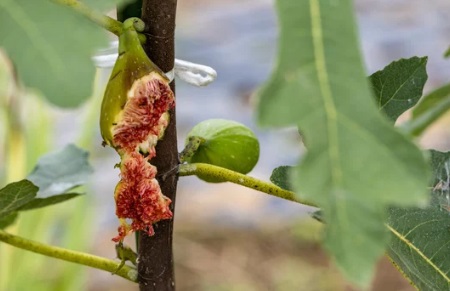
{"type": "Point", "coordinates": [357, 163]}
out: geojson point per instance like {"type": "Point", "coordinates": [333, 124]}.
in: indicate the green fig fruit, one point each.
{"type": "Point", "coordinates": [224, 143]}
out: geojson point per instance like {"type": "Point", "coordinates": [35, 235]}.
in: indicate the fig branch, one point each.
{"type": "Point", "coordinates": [155, 266]}
{"type": "Point", "coordinates": [104, 21]}
{"type": "Point", "coordinates": [219, 173]}
{"type": "Point", "coordinates": [111, 266]}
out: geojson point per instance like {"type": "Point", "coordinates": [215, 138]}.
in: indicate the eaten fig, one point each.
{"type": "Point", "coordinates": [134, 116]}
{"type": "Point", "coordinates": [226, 144]}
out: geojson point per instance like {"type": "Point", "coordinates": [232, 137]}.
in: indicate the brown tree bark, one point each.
{"type": "Point", "coordinates": [155, 265]}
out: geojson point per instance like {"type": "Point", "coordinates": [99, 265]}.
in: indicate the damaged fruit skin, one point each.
{"type": "Point", "coordinates": [134, 115]}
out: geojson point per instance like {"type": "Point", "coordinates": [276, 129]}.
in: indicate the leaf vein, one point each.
{"type": "Point", "coordinates": [418, 252]}
{"type": "Point", "coordinates": [400, 87]}
{"type": "Point", "coordinates": [410, 269]}
{"type": "Point", "coordinates": [419, 225]}
{"type": "Point", "coordinates": [327, 96]}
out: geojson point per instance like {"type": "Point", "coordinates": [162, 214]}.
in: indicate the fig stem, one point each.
{"type": "Point", "coordinates": [111, 266]}
{"type": "Point", "coordinates": [211, 171]}
{"type": "Point", "coordinates": [191, 148]}
{"type": "Point", "coordinates": [104, 21]}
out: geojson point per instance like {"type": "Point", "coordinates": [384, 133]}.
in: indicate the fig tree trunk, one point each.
{"type": "Point", "coordinates": [155, 252]}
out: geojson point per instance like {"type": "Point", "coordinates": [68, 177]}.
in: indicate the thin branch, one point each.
{"type": "Point", "coordinates": [104, 21]}
{"type": "Point", "coordinates": [211, 171]}
{"type": "Point", "coordinates": [111, 266]}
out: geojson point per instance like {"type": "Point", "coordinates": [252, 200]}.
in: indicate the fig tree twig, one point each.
{"type": "Point", "coordinates": [211, 171]}
{"type": "Point", "coordinates": [111, 266]}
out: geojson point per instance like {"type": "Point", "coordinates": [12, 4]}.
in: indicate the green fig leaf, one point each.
{"type": "Point", "coordinates": [106, 5]}
{"type": "Point", "coordinates": [419, 246]}
{"type": "Point", "coordinates": [8, 220]}
{"type": "Point", "coordinates": [357, 164]}
{"type": "Point", "coordinates": [61, 171]}
{"type": "Point", "coordinates": [133, 9]}
{"type": "Point", "coordinates": [399, 85]}
{"type": "Point", "coordinates": [429, 109]}
{"type": "Point", "coordinates": [55, 174]}
{"type": "Point", "coordinates": [281, 177]}
{"type": "Point", "coordinates": [51, 47]}
{"type": "Point", "coordinates": [15, 195]}
{"type": "Point", "coordinates": [447, 53]}
{"type": "Point", "coordinates": [318, 215]}
{"type": "Point", "coordinates": [6, 76]}
{"type": "Point", "coordinates": [420, 237]}
{"type": "Point", "coordinates": [437, 98]}
{"type": "Point", "coordinates": [48, 201]}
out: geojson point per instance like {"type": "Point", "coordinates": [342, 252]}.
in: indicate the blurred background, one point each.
{"type": "Point", "coordinates": [226, 237]}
